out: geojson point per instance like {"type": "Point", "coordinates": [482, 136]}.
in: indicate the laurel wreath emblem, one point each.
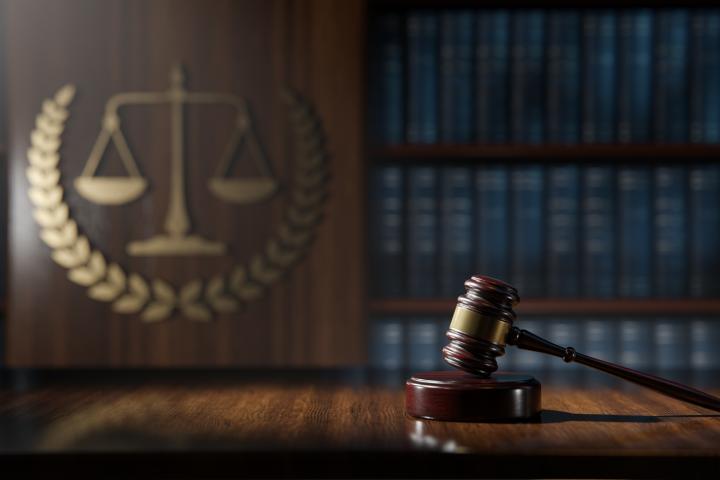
{"type": "Point", "coordinates": [157, 299]}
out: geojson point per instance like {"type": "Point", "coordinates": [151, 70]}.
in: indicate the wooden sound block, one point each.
{"type": "Point", "coordinates": [462, 397]}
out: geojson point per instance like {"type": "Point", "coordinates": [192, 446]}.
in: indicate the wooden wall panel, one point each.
{"type": "Point", "coordinates": [254, 48]}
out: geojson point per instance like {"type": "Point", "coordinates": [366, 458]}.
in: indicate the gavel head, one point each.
{"type": "Point", "coordinates": [483, 317]}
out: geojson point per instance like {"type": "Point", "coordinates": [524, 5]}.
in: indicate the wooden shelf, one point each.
{"type": "Point", "coordinates": [550, 306]}
{"type": "Point", "coordinates": [612, 153]}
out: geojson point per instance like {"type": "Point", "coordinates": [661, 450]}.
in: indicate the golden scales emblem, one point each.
{"type": "Point", "coordinates": [155, 299]}
{"type": "Point", "coordinates": [177, 239]}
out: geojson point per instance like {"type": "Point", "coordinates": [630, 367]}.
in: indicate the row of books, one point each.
{"type": "Point", "coordinates": [671, 344]}
{"type": "Point", "coordinates": [561, 230]}
{"type": "Point", "coordinates": [553, 76]}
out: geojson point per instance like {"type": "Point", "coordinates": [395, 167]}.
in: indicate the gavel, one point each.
{"type": "Point", "coordinates": [480, 329]}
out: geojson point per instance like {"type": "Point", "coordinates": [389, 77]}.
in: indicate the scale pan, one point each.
{"type": "Point", "coordinates": [110, 190]}
{"type": "Point", "coordinates": [243, 190]}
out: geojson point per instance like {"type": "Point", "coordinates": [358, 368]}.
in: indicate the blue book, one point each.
{"type": "Point", "coordinates": [528, 77]}
{"type": "Point", "coordinates": [456, 67]}
{"type": "Point", "coordinates": [526, 360]}
{"type": "Point", "coordinates": [527, 230]}
{"type": "Point", "coordinates": [563, 231]}
{"type": "Point", "coordinates": [670, 232]}
{"type": "Point", "coordinates": [456, 238]}
{"type": "Point", "coordinates": [387, 349]}
{"type": "Point", "coordinates": [599, 72]}
{"type": "Point", "coordinates": [635, 85]}
{"type": "Point", "coordinates": [422, 273]}
{"type": "Point", "coordinates": [705, 231]}
{"type": "Point", "coordinates": [422, 41]}
{"type": "Point", "coordinates": [635, 211]}
{"type": "Point", "coordinates": [696, 76]}
{"type": "Point", "coordinates": [671, 345]}
{"type": "Point", "coordinates": [425, 342]}
{"type": "Point", "coordinates": [705, 342]}
{"type": "Point", "coordinates": [492, 223]}
{"type": "Point", "coordinates": [388, 227]}
{"type": "Point", "coordinates": [563, 76]}
{"type": "Point", "coordinates": [600, 339]}
{"type": "Point", "coordinates": [493, 72]}
{"type": "Point", "coordinates": [671, 79]}
{"type": "Point", "coordinates": [636, 343]}
{"type": "Point", "coordinates": [598, 243]}
{"type": "Point", "coordinates": [390, 94]}
{"type": "Point", "coordinates": [565, 332]}
{"type": "Point", "coordinates": [711, 73]}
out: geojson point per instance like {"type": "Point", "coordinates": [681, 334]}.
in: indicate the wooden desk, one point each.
{"type": "Point", "coordinates": [330, 424]}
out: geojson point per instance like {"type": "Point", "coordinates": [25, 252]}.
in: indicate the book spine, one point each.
{"type": "Point", "coordinates": [670, 232]}
{"type": "Point", "coordinates": [671, 79]}
{"type": "Point", "coordinates": [387, 349]}
{"type": "Point", "coordinates": [493, 225]}
{"type": "Point", "coordinates": [526, 360]}
{"type": "Point", "coordinates": [704, 339]}
{"type": "Point", "coordinates": [704, 231]}
{"type": "Point", "coordinates": [424, 348]}
{"type": "Point", "coordinates": [635, 86]}
{"type": "Point", "coordinates": [528, 77]}
{"type": "Point", "coordinates": [414, 79]}
{"type": "Point", "coordinates": [671, 347]}
{"type": "Point", "coordinates": [590, 25]}
{"type": "Point", "coordinates": [598, 243]}
{"type": "Point", "coordinates": [429, 79]}
{"type": "Point", "coordinates": [711, 127]}
{"type": "Point", "coordinates": [563, 76]}
{"type": "Point", "coordinates": [697, 77]}
{"type": "Point", "coordinates": [448, 75]}
{"type": "Point", "coordinates": [600, 339]}
{"type": "Point", "coordinates": [463, 98]}
{"type": "Point", "coordinates": [600, 82]}
{"type": "Point", "coordinates": [388, 214]}
{"type": "Point", "coordinates": [392, 80]}
{"type": "Point", "coordinates": [527, 232]}
{"type": "Point", "coordinates": [456, 230]}
{"type": "Point", "coordinates": [635, 232]}
{"type": "Point", "coordinates": [422, 230]}
{"type": "Point", "coordinates": [636, 351]}
{"type": "Point", "coordinates": [564, 332]}
{"type": "Point", "coordinates": [563, 230]}
{"type": "Point", "coordinates": [493, 72]}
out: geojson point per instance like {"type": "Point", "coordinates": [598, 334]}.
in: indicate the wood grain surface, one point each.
{"type": "Point", "coordinates": [269, 425]}
{"type": "Point", "coordinates": [252, 48]}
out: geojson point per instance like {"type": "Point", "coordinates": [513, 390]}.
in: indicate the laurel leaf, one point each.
{"type": "Point", "coordinates": [65, 95]}
{"type": "Point", "coordinates": [67, 258]}
{"type": "Point", "coordinates": [163, 291]}
{"type": "Point", "coordinates": [129, 303]}
{"type": "Point", "coordinates": [215, 286]}
{"type": "Point", "coordinates": [53, 238]}
{"type": "Point", "coordinates": [238, 278]}
{"type": "Point", "coordinates": [43, 142]}
{"type": "Point", "coordinates": [82, 248]}
{"type": "Point", "coordinates": [196, 311]}
{"type": "Point", "coordinates": [46, 198]}
{"type": "Point", "coordinates": [41, 178]}
{"type": "Point", "coordinates": [138, 286]}
{"type": "Point", "coordinates": [156, 312]}
{"type": "Point", "coordinates": [104, 291]}
{"type": "Point", "coordinates": [43, 160]}
{"type": "Point", "coordinates": [52, 110]}
{"type": "Point", "coordinates": [281, 257]}
{"type": "Point", "coordinates": [191, 292]}
{"type": "Point", "coordinates": [294, 238]}
{"type": "Point", "coordinates": [116, 276]}
{"type": "Point", "coordinates": [52, 218]}
{"type": "Point", "coordinates": [299, 218]}
{"type": "Point", "coordinates": [48, 125]}
{"type": "Point", "coordinates": [263, 272]}
{"type": "Point", "coordinates": [250, 292]}
{"type": "Point", "coordinates": [82, 276]}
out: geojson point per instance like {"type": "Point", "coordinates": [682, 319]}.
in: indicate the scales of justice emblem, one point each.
{"type": "Point", "coordinates": [156, 299]}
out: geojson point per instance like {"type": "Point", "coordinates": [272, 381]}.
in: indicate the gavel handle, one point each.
{"type": "Point", "coordinates": [529, 341]}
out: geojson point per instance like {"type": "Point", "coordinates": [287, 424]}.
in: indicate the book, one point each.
{"type": "Point", "coordinates": [671, 344]}
{"type": "Point", "coordinates": [636, 345]}
{"type": "Point", "coordinates": [599, 227]}
{"type": "Point", "coordinates": [387, 349]}
{"type": "Point", "coordinates": [704, 340]}
{"type": "Point", "coordinates": [387, 200]}
{"type": "Point", "coordinates": [635, 221]}
{"type": "Point", "coordinates": [711, 77]}
{"type": "Point", "coordinates": [456, 227]}
{"type": "Point", "coordinates": [563, 77]}
{"type": "Point", "coordinates": [526, 360]}
{"type": "Point", "coordinates": [635, 82]}
{"type": "Point", "coordinates": [566, 333]}
{"type": "Point", "coordinates": [528, 77]}
{"type": "Point", "coordinates": [493, 221]}
{"type": "Point", "coordinates": [456, 67]}
{"type": "Point", "coordinates": [670, 234]}
{"type": "Point", "coordinates": [424, 344]}
{"type": "Point", "coordinates": [492, 99]}
{"type": "Point", "coordinates": [696, 76]}
{"type": "Point", "coordinates": [563, 231]}
{"type": "Point", "coordinates": [671, 76]}
{"type": "Point", "coordinates": [600, 338]}
{"type": "Point", "coordinates": [599, 76]}
{"type": "Point", "coordinates": [704, 262]}
{"type": "Point", "coordinates": [422, 45]}
{"type": "Point", "coordinates": [422, 232]}
{"type": "Point", "coordinates": [390, 75]}
{"type": "Point", "coordinates": [528, 252]}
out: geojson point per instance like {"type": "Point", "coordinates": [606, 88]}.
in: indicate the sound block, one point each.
{"type": "Point", "coordinates": [462, 397]}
